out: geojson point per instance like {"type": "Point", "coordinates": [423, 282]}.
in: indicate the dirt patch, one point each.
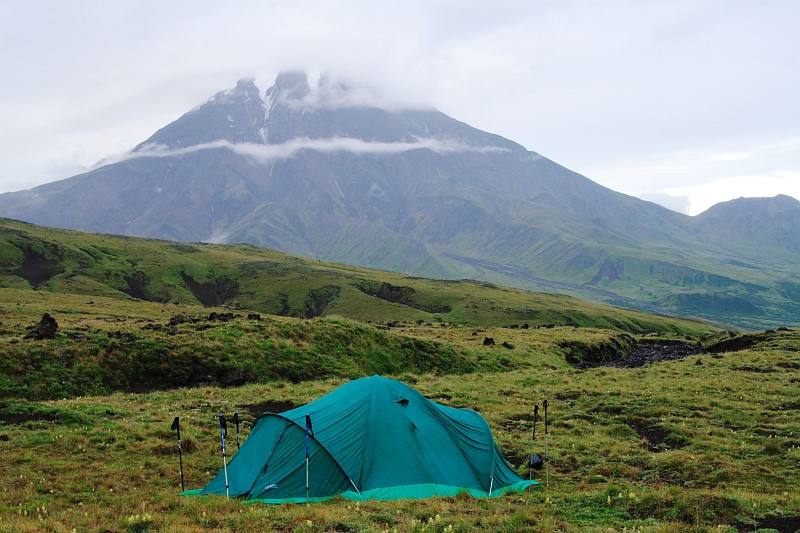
{"type": "Point", "coordinates": [182, 318]}
{"type": "Point", "coordinates": [447, 399]}
{"type": "Point", "coordinates": [656, 437]}
{"type": "Point", "coordinates": [36, 268]}
{"type": "Point", "coordinates": [442, 396]}
{"type": "Point", "coordinates": [782, 524]}
{"type": "Point", "coordinates": [647, 352]}
{"type": "Point", "coordinates": [591, 354]}
{"type": "Point", "coordinates": [517, 459]}
{"type": "Point", "coordinates": [521, 422]}
{"type": "Point", "coordinates": [318, 300]}
{"type": "Point", "coordinates": [211, 293]}
{"type": "Point", "coordinates": [188, 445]}
{"type": "Point", "coordinates": [625, 355]}
{"type": "Point", "coordinates": [787, 406]}
{"type": "Point", "coordinates": [137, 285]}
{"type": "Point", "coordinates": [269, 406]}
{"type": "Point", "coordinates": [740, 342]}
{"type": "Point", "coordinates": [220, 317]}
{"type": "Point", "coordinates": [568, 396]}
{"type": "Point", "coordinates": [21, 418]}
{"type": "Point", "coordinates": [755, 369]}
{"type": "Point", "coordinates": [399, 295]}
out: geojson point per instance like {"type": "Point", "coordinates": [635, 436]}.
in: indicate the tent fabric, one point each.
{"type": "Point", "coordinates": [373, 438]}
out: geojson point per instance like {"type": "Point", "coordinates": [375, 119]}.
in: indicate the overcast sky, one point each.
{"type": "Point", "coordinates": [684, 103]}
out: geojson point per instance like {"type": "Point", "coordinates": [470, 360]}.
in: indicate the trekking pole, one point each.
{"type": "Point", "coordinates": [176, 426]}
{"type": "Point", "coordinates": [546, 441]}
{"type": "Point", "coordinates": [223, 429]}
{"type": "Point", "coordinates": [236, 421]}
{"type": "Point", "coordinates": [310, 430]}
{"type": "Point", "coordinates": [535, 461]}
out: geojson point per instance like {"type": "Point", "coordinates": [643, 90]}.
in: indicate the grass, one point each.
{"type": "Point", "coordinates": [710, 440]}
{"type": "Point", "coordinates": [258, 279]}
{"type": "Point", "coordinates": [699, 444]}
{"type": "Point", "coordinates": [107, 344]}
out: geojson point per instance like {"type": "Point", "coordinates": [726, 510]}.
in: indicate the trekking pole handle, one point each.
{"type": "Point", "coordinates": [545, 403]}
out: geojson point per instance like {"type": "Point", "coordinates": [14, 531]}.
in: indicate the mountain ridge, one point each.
{"type": "Point", "coordinates": [324, 172]}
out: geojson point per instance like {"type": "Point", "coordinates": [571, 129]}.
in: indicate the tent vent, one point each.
{"type": "Point", "coordinates": [403, 402]}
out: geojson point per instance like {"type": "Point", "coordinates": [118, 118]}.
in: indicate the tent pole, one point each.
{"type": "Point", "coordinates": [309, 430]}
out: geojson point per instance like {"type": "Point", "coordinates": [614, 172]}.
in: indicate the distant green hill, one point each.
{"type": "Point", "coordinates": [254, 278]}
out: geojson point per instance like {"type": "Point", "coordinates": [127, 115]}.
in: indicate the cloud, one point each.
{"type": "Point", "coordinates": [333, 91]}
{"type": "Point", "coordinates": [592, 85]}
{"type": "Point", "coordinates": [268, 152]}
{"type": "Point", "coordinates": [730, 156]}
{"type": "Point", "coordinates": [705, 195]}
{"type": "Point", "coordinates": [681, 204]}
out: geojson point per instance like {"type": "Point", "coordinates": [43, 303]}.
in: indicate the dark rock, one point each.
{"type": "Point", "coordinates": [45, 329]}
{"type": "Point", "coordinates": [508, 345]}
{"type": "Point", "coordinates": [488, 341]}
{"type": "Point", "coordinates": [642, 353]}
{"type": "Point", "coordinates": [181, 319]}
{"type": "Point", "coordinates": [220, 317]}
{"type": "Point", "coordinates": [525, 325]}
{"type": "Point", "coordinates": [254, 316]}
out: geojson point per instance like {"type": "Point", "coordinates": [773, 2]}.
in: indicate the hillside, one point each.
{"type": "Point", "coordinates": [324, 173]}
{"type": "Point", "coordinates": [257, 279]}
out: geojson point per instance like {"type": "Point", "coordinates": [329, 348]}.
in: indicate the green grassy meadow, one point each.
{"type": "Point", "coordinates": [710, 442]}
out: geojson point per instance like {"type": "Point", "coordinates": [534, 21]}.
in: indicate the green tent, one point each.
{"type": "Point", "coordinates": [373, 438]}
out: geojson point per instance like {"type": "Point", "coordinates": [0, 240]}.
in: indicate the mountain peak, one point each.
{"type": "Point", "coordinates": [290, 85]}
{"type": "Point", "coordinates": [246, 85]}
{"type": "Point", "coordinates": [766, 203]}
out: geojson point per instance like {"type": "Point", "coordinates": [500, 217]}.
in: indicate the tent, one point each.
{"type": "Point", "coordinates": [373, 438]}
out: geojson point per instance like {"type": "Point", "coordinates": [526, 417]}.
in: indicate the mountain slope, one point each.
{"type": "Point", "coordinates": [762, 223]}
{"type": "Point", "coordinates": [327, 173]}
{"type": "Point", "coordinates": [63, 261]}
